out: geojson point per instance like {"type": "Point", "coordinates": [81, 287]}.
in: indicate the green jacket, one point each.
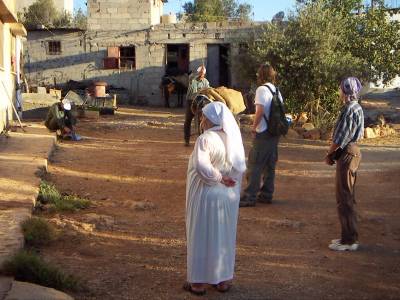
{"type": "Point", "coordinates": [195, 86]}
{"type": "Point", "coordinates": [57, 118]}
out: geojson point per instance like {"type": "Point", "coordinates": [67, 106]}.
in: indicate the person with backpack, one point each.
{"type": "Point", "coordinates": [268, 125]}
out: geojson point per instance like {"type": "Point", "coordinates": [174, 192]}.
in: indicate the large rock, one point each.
{"type": "Point", "coordinates": [292, 134]}
{"type": "Point", "coordinates": [369, 133]}
{"type": "Point", "coordinates": [314, 134]}
{"type": "Point", "coordinates": [303, 118]}
{"type": "Point", "coordinates": [308, 126]}
{"type": "Point", "coordinates": [28, 291]}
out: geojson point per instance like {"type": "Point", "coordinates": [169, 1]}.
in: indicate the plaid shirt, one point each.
{"type": "Point", "coordinates": [350, 126]}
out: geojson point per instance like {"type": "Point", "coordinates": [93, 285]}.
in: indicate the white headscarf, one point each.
{"type": "Point", "coordinates": [201, 69]}
{"type": "Point", "coordinates": [220, 115]}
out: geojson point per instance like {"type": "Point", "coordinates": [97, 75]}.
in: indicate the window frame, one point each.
{"type": "Point", "coordinates": [52, 49]}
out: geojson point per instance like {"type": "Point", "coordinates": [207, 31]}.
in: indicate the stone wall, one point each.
{"type": "Point", "coordinates": [119, 14]}
{"type": "Point", "coordinates": [83, 54]}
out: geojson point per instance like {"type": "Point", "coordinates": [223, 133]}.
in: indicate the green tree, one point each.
{"type": "Point", "coordinates": [41, 12]}
{"type": "Point", "coordinates": [62, 20]}
{"type": "Point", "coordinates": [318, 45]}
{"type": "Point", "coordinates": [80, 20]}
{"type": "Point", "coordinates": [216, 10]}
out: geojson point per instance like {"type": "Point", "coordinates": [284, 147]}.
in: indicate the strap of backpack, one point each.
{"type": "Point", "coordinates": [273, 94]}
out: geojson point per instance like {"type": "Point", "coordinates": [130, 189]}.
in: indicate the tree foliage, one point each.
{"type": "Point", "coordinates": [44, 12]}
{"type": "Point", "coordinates": [319, 44]}
{"type": "Point", "coordinates": [216, 10]}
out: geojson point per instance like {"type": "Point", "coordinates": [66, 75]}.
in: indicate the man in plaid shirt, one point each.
{"type": "Point", "coordinates": [344, 150]}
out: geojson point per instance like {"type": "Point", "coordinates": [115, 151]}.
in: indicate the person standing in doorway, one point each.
{"type": "Point", "coordinates": [264, 152]}
{"type": "Point", "coordinates": [195, 85]}
{"type": "Point", "coordinates": [345, 152]}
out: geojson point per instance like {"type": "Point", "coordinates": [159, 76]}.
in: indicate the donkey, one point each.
{"type": "Point", "coordinates": [174, 83]}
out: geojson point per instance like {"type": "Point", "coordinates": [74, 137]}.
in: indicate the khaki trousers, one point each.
{"type": "Point", "coordinates": [346, 175]}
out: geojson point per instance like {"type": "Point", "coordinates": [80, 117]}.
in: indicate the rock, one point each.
{"type": "Point", "coordinates": [308, 126]}
{"type": "Point", "coordinates": [313, 134]}
{"type": "Point", "coordinates": [387, 130]}
{"type": "Point", "coordinates": [29, 291]}
{"type": "Point", "coordinates": [377, 131]}
{"type": "Point", "coordinates": [369, 133]}
{"type": "Point", "coordinates": [287, 223]}
{"type": "Point", "coordinates": [246, 119]}
{"type": "Point", "coordinates": [143, 205]}
{"type": "Point", "coordinates": [299, 130]}
{"type": "Point", "coordinates": [303, 118]}
{"type": "Point", "coordinates": [100, 221]}
{"type": "Point", "coordinates": [292, 134]}
{"type": "Point", "coordinates": [326, 134]}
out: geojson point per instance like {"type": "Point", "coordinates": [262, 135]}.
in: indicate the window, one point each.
{"type": "Point", "coordinates": [120, 58]}
{"type": "Point", "coordinates": [127, 57]}
{"type": "Point", "coordinates": [54, 47]}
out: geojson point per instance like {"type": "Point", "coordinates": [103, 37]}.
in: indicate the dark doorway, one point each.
{"type": "Point", "coordinates": [177, 59]}
{"type": "Point", "coordinates": [218, 70]}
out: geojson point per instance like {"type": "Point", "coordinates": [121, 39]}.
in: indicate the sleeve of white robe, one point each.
{"type": "Point", "coordinates": [203, 164]}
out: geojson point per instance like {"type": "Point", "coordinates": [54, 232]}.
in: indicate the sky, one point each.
{"type": "Point", "coordinates": [263, 10]}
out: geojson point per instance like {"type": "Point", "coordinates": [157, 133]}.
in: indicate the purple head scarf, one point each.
{"type": "Point", "coordinates": [351, 87]}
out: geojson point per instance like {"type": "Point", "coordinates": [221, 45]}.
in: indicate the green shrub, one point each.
{"type": "Point", "coordinates": [28, 266]}
{"type": "Point", "coordinates": [48, 194]}
{"type": "Point", "coordinates": [38, 232]}
{"type": "Point", "coordinates": [70, 203]}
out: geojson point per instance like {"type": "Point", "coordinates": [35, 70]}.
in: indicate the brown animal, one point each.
{"type": "Point", "coordinates": [178, 84]}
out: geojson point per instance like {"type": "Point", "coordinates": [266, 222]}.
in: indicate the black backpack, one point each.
{"type": "Point", "coordinates": [277, 123]}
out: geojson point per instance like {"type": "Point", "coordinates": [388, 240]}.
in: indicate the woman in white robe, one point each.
{"type": "Point", "coordinates": [212, 200]}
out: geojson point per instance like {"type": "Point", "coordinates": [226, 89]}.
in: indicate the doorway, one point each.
{"type": "Point", "coordinates": [177, 60]}
{"type": "Point", "coordinates": [218, 69]}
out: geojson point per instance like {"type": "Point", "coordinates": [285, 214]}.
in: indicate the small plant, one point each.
{"type": "Point", "coordinates": [71, 203]}
{"type": "Point", "coordinates": [48, 194]}
{"type": "Point", "coordinates": [28, 266]}
{"type": "Point", "coordinates": [38, 232]}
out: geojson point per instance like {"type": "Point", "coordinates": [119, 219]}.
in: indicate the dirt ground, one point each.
{"type": "Point", "coordinates": [131, 243]}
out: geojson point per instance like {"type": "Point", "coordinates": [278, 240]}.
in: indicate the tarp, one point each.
{"type": "Point", "coordinates": [232, 98]}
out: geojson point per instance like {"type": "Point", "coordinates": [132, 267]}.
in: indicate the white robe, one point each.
{"type": "Point", "coordinates": [211, 211]}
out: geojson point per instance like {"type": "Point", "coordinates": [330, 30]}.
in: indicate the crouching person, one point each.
{"type": "Point", "coordinates": [61, 120]}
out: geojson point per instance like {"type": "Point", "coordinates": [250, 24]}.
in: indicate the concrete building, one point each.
{"type": "Point", "coordinates": [60, 5]}
{"type": "Point", "coordinates": [11, 33]}
{"type": "Point", "coordinates": [128, 46]}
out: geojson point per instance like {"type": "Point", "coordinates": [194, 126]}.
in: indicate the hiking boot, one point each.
{"type": "Point", "coordinates": [343, 247]}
